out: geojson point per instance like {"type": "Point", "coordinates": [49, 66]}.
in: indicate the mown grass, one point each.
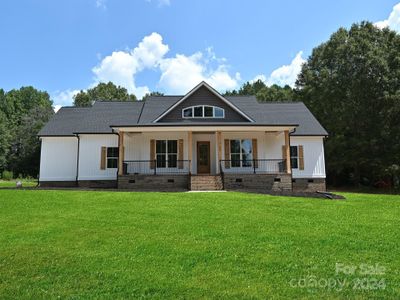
{"type": "Point", "coordinates": [13, 183]}
{"type": "Point", "coordinates": [85, 244]}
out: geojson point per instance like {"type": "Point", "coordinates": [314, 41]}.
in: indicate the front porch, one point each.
{"type": "Point", "coordinates": [160, 160]}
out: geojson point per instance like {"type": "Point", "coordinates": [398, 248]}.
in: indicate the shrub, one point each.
{"type": "Point", "coordinates": [7, 175]}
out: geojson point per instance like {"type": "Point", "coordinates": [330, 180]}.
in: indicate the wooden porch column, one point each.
{"type": "Point", "coordinates": [219, 149]}
{"type": "Point", "coordinates": [287, 149]}
{"type": "Point", "coordinates": [121, 153]}
{"type": "Point", "coordinates": [190, 153]}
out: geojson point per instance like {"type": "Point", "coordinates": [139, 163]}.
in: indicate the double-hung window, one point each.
{"type": "Point", "coordinates": [112, 157]}
{"type": "Point", "coordinates": [294, 157]}
{"type": "Point", "coordinates": [166, 153]}
{"type": "Point", "coordinates": [241, 153]}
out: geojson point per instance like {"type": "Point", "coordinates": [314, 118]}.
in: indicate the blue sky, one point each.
{"type": "Point", "coordinates": [167, 45]}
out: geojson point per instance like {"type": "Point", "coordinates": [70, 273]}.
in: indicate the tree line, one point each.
{"type": "Point", "coordinates": [351, 83]}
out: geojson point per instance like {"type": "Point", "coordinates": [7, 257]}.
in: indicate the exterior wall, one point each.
{"type": "Point", "coordinates": [269, 144]}
{"type": "Point", "coordinates": [137, 146]}
{"type": "Point", "coordinates": [258, 182]}
{"type": "Point", "coordinates": [309, 184]}
{"type": "Point", "coordinates": [314, 160]}
{"type": "Point", "coordinates": [154, 182]}
{"type": "Point", "coordinates": [203, 96]}
{"type": "Point", "coordinates": [205, 137]}
{"type": "Point", "coordinates": [90, 156]}
{"type": "Point", "coordinates": [58, 159]}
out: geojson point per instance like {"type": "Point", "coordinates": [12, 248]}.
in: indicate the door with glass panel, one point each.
{"type": "Point", "coordinates": [203, 157]}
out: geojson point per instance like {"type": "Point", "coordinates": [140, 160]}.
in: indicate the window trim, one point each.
{"type": "Point", "coordinates": [167, 154]}
{"type": "Point", "coordinates": [203, 112]}
{"type": "Point", "coordinates": [112, 157]}
{"type": "Point", "coordinates": [294, 157]}
{"type": "Point", "coordinates": [241, 153]}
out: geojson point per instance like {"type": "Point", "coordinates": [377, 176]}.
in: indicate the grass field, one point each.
{"type": "Point", "coordinates": [12, 183]}
{"type": "Point", "coordinates": [85, 244]}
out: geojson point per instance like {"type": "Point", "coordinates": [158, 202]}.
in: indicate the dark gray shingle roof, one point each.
{"type": "Point", "coordinates": [102, 115]}
{"type": "Point", "coordinates": [95, 119]}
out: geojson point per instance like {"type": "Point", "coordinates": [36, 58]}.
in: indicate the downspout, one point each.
{"type": "Point", "coordinates": [40, 161]}
{"type": "Point", "coordinates": [77, 159]}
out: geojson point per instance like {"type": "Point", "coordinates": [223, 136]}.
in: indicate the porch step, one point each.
{"type": "Point", "coordinates": [206, 183]}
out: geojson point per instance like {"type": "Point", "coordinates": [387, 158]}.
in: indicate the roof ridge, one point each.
{"type": "Point", "coordinates": [140, 114]}
{"type": "Point", "coordinates": [117, 101]}
{"type": "Point", "coordinates": [75, 107]}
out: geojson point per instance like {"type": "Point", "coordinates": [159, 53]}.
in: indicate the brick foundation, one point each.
{"type": "Point", "coordinates": [309, 184]}
{"type": "Point", "coordinates": [57, 184]}
{"type": "Point", "coordinates": [81, 183]}
{"type": "Point", "coordinates": [258, 182]}
{"type": "Point", "coordinates": [154, 182]}
{"type": "Point", "coordinates": [102, 184]}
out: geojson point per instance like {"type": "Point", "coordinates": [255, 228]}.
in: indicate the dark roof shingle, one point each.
{"type": "Point", "coordinates": [103, 114]}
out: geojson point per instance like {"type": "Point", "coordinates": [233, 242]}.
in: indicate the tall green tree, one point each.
{"type": "Point", "coordinates": [103, 92]}
{"type": "Point", "coordinates": [351, 83]}
{"type": "Point", "coordinates": [145, 97]}
{"type": "Point", "coordinates": [22, 114]}
{"type": "Point", "coordinates": [4, 141]}
{"type": "Point", "coordinates": [263, 92]}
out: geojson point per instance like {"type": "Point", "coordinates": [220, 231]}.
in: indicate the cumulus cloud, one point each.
{"type": "Point", "coordinates": [161, 2]}
{"type": "Point", "coordinates": [121, 66]}
{"type": "Point", "coordinates": [181, 73]}
{"type": "Point", "coordinates": [393, 21]}
{"type": "Point", "coordinates": [178, 74]}
{"type": "Point", "coordinates": [261, 77]}
{"type": "Point", "coordinates": [284, 75]}
{"type": "Point", "coordinates": [101, 4]}
{"type": "Point", "coordinates": [63, 98]}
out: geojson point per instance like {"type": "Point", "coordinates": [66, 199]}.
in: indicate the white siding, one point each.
{"type": "Point", "coordinates": [90, 156]}
{"type": "Point", "coordinates": [58, 159]}
{"type": "Point", "coordinates": [314, 160]}
{"type": "Point", "coordinates": [269, 144]}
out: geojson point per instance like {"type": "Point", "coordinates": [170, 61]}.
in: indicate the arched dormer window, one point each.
{"type": "Point", "coordinates": [203, 111]}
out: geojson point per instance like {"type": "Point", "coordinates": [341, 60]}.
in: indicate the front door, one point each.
{"type": "Point", "coordinates": [203, 157]}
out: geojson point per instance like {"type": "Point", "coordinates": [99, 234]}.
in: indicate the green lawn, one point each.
{"type": "Point", "coordinates": [12, 183]}
{"type": "Point", "coordinates": [85, 244]}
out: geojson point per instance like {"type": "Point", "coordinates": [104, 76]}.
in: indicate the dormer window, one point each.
{"type": "Point", "coordinates": [203, 111]}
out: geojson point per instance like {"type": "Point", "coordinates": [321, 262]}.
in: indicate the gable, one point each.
{"type": "Point", "coordinates": [203, 96]}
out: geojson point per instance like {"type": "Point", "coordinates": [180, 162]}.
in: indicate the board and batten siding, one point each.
{"type": "Point", "coordinates": [58, 158]}
{"type": "Point", "coordinates": [203, 96]}
{"type": "Point", "coordinates": [314, 159]}
{"type": "Point", "coordinates": [90, 157]}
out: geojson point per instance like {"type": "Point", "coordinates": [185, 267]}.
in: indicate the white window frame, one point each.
{"type": "Point", "coordinates": [167, 161]}
{"type": "Point", "coordinates": [203, 116]}
{"type": "Point", "coordinates": [296, 157]}
{"type": "Point", "coordinates": [240, 153]}
{"type": "Point", "coordinates": [116, 158]}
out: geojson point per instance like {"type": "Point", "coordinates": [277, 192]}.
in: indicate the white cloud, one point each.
{"type": "Point", "coordinates": [181, 73]}
{"type": "Point", "coordinates": [161, 2]}
{"type": "Point", "coordinates": [393, 21]}
{"type": "Point", "coordinates": [63, 98]}
{"type": "Point", "coordinates": [284, 75]}
{"type": "Point", "coordinates": [101, 4]}
{"type": "Point", "coordinates": [261, 77]}
{"type": "Point", "coordinates": [121, 66]}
